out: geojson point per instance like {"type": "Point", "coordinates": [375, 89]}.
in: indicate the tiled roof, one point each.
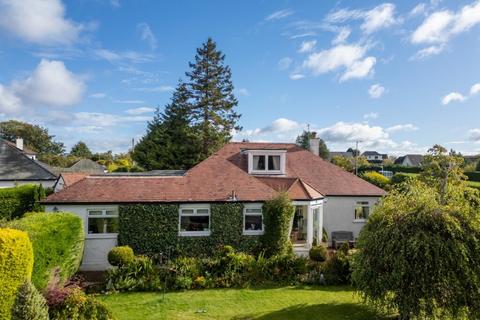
{"type": "Point", "coordinates": [225, 172]}
{"type": "Point", "coordinates": [16, 166]}
{"type": "Point", "coordinates": [70, 178]}
{"type": "Point", "coordinates": [25, 150]}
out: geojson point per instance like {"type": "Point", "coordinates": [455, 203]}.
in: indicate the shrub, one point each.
{"type": "Point", "coordinates": [318, 253]}
{"type": "Point", "coordinates": [477, 168]}
{"type": "Point", "coordinates": [16, 264]}
{"type": "Point", "coordinates": [58, 240]}
{"type": "Point", "coordinates": [415, 249]}
{"type": "Point", "coordinates": [120, 256]}
{"type": "Point", "coordinates": [139, 275]}
{"type": "Point", "coordinates": [473, 176]}
{"type": "Point", "coordinates": [277, 214]}
{"type": "Point", "coordinates": [376, 178]}
{"type": "Point", "coordinates": [14, 202]}
{"type": "Point", "coordinates": [337, 268]}
{"type": "Point", "coordinates": [73, 304]}
{"type": "Point", "coordinates": [399, 178]}
{"type": "Point", "coordinates": [29, 304]}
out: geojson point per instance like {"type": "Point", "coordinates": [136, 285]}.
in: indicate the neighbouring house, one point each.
{"type": "Point", "coordinates": [82, 166]}
{"type": "Point", "coordinates": [325, 196]}
{"type": "Point", "coordinates": [67, 179]}
{"type": "Point", "coordinates": [19, 165]}
{"type": "Point", "coordinates": [374, 156]}
{"type": "Point", "coordinates": [346, 154]}
{"type": "Point", "coordinates": [409, 160]}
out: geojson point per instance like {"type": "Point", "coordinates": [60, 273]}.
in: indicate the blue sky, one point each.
{"type": "Point", "coordinates": [397, 76]}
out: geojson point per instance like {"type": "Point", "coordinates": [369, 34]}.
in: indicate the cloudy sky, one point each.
{"type": "Point", "coordinates": [397, 76]}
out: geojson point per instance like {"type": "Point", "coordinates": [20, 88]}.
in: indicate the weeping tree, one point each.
{"type": "Point", "coordinates": [419, 252]}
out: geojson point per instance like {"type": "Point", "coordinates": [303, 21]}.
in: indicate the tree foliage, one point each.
{"type": "Point", "coordinates": [278, 213]}
{"type": "Point", "coordinates": [477, 168]}
{"type": "Point", "coordinates": [303, 140]}
{"type": "Point", "coordinates": [35, 137]}
{"type": "Point", "coordinates": [376, 178]}
{"type": "Point", "coordinates": [81, 150]}
{"type": "Point", "coordinates": [212, 100]}
{"type": "Point", "coordinates": [348, 164]}
{"type": "Point", "coordinates": [419, 251]}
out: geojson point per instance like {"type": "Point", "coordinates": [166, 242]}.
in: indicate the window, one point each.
{"type": "Point", "coordinates": [266, 161]}
{"type": "Point", "coordinates": [194, 220]}
{"type": "Point", "coordinates": [252, 219]}
{"type": "Point", "coordinates": [102, 221]}
{"type": "Point", "coordinates": [362, 210]}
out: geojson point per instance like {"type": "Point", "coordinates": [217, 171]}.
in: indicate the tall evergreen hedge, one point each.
{"type": "Point", "coordinates": [16, 263]}
{"type": "Point", "coordinates": [58, 241]}
{"type": "Point", "coordinates": [278, 214]}
{"type": "Point", "coordinates": [14, 202]}
{"type": "Point", "coordinates": [153, 229]}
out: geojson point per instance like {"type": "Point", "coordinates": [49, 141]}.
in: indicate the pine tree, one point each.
{"type": "Point", "coordinates": [170, 142]}
{"type": "Point", "coordinates": [212, 100]}
{"type": "Point", "coordinates": [303, 140]}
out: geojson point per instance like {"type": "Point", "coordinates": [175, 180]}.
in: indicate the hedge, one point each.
{"type": "Point", "coordinates": [394, 169]}
{"type": "Point", "coordinates": [16, 263]}
{"type": "Point", "coordinates": [58, 240]}
{"type": "Point", "coordinates": [278, 214]}
{"type": "Point", "coordinates": [14, 202]}
{"type": "Point", "coordinates": [473, 176]}
{"type": "Point", "coordinates": [152, 229]}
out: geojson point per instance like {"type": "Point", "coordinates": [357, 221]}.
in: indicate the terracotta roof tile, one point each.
{"type": "Point", "coordinates": [307, 177]}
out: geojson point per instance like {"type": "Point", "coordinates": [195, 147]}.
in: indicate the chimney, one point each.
{"type": "Point", "coordinates": [19, 143]}
{"type": "Point", "coordinates": [314, 144]}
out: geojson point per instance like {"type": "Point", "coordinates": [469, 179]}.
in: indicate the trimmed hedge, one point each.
{"type": "Point", "coordinates": [376, 178]}
{"type": "Point", "coordinates": [58, 240]}
{"type": "Point", "coordinates": [473, 176]}
{"type": "Point", "coordinates": [153, 229]}
{"type": "Point", "coordinates": [14, 202]}
{"type": "Point", "coordinates": [120, 256]}
{"type": "Point", "coordinates": [394, 169]}
{"type": "Point", "coordinates": [16, 263]}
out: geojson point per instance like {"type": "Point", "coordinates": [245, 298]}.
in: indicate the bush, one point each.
{"type": "Point", "coordinates": [318, 253]}
{"type": "Point", "coordinates": [376, 178]}
{"type": "Point", "coordinates": [139, 275]}
{"type": "Point", "coordinates": [16, 264]}
{"type": "Point", "coordinates": [29, 304]}
{"type": "Point", "coordinates": [473, 176]}
{"type": "Point", "coordinates": [58, 240]}
{"type": "Point", "coordinates": [415, 249]}
{"type": "Point", "coordinates": [14, 202]}
{"type": "Point", "coordinates": [399, 178]}
{"type": "Point", "coordinates": [337, 268]}
{"type": "Point", "coordinates": [72, 303]}
{"type": "Point", "coordinates": [120, 256]}
{"type": "Point", "coordinates": [278, 214]}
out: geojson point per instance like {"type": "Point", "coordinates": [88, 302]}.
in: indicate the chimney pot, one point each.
{"type": "Point", "coordinates": [19, 143]}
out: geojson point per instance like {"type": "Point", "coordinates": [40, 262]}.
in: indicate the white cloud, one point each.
{"type": "Point", "coordinates": [331, 59]}
{"type": "Point", "coordinates": [360, 69]}
{"type": "Point", "coordinates": [342, 36]}
{"type": "Point", "coordinates": [147, 35]}
{"type": "Point", "coordinates": [156, 89]}
{"type": "Point", "coordinates": [243, 92]}
{"type": "Point", "coordinates": [41, 22]}
{"type": "Point", "coordinates": [282, 128]}
{"type": "Point", "coordinates": [474, 134]}
{"type": "Point", "coordinates": [117, 56]}
{"type": "Point", "coordinates": [371, 115]}
{"type": "Point", "coordinates": [281, 125]}
{"type": "Point", "coordinates": [350, 132]}
{"type": "Point", "coordinates": [440, 26]}
{"type": "Point", "coordinates": [284, 63]}
{"type": "Point", "coordinates": [296, 76]}
{"type": "Point", "coordinates": [428, 51]}
{"type": "Point", "coordinates": [418, 9]}
{"type": "Point", "coordinates": [98, 95]}
{"type": "Point", "coordinates": [50, 85]}
{"type": "Point", "coordinates": [452, 97]}
{"type": "Point", "coordinates": [307, 46]}
{"type": "Point", "coordinates": [475, 89]}
{"type": "Point", "coordinates": [129, 101]}
{"type": "Point", "coordinates": [402, 127]}
{"type": "Point", "coordinates": [140, 110]}
{"type": "Point", "coordinates": [277, 15]}
{"type": "Point", "coordinates": [376, 91]}
{"type": "Point", "coordinates": [380, 17]}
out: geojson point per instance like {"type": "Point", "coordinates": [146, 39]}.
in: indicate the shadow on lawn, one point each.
{"type": "Point", "coordinates": [319, 312]}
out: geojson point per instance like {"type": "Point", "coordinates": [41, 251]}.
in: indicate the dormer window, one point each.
{"type": "Point", "coordinates": [266, 161]}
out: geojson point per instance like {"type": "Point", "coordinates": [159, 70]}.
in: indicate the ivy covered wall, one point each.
{"type": "Point", "coordinates": [153, 229]}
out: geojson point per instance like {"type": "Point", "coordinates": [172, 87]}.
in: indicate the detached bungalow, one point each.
{"type": "Point", "coordinates": [324, 195]}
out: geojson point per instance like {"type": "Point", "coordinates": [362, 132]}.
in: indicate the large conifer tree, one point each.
{"type": "Point", "coordinates": [170, 142]}
{"type": "Point", "coordinates": [212, 99]}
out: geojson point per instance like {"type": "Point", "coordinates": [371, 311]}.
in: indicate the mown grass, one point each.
{"type": "Point", "coordinates": [294, 303]}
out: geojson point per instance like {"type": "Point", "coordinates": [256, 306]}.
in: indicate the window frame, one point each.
{"type": "Point", "coordinates": [103, 215]}
{"type": "Point", "coordinates": [362, 204]}
{"type": "Point", "coordinates": [195, 208]}
{"type": "Point", "coordinates": [267, 154]}
{"type": "Point", "coordinates": [245, 213]}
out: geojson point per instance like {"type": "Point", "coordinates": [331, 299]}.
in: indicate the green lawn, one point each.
{"type": "Point", "coordinates": [279, 303]}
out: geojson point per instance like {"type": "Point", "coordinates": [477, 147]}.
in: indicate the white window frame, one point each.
{"type": "Point", "coordinates": [245, 213]}
{"type": "Point", "coordinates": [361, 204]}
{"type": "Point", "coordinates": [103, 215]}
{"type": "Point", "coordinates": [195, 208]}
{"type": "Point", "coordinates": [266, 154]}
